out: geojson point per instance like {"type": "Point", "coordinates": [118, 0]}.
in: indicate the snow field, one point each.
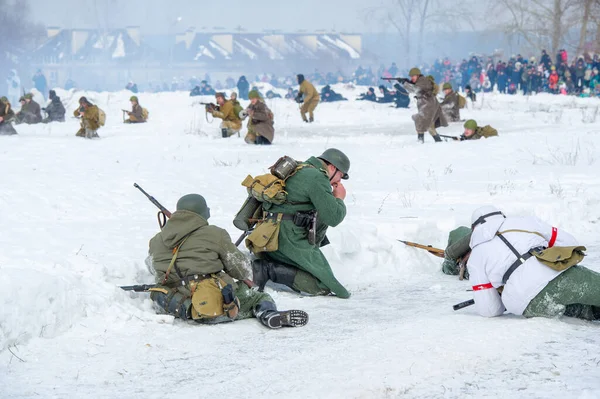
{"type": "Point", "coordinates": [75, 229]}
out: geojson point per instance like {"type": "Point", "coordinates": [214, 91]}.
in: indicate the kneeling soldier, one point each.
{"type": "Point", "coordinates": [197, 266]}
{"type": "Point", "coordinates": [90, 119]}
{"type": "Point", "coordinates": [260, 124]}
{"type": "Point", "coordinates": [232, 123]}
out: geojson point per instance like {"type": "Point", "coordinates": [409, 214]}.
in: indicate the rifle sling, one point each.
{"type": "Point", "coordinates": [173, 263]}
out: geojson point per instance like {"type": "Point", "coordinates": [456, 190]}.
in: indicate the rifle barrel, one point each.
{"type": "Point", "coordinates": [464, 304]}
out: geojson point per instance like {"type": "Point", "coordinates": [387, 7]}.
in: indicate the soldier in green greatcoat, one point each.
{"type": "Point", "coordinates": [298, 262]}
{"type": "Point", "coordinates": [197, 266]}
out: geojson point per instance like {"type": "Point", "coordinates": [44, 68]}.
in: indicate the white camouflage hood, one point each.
{"type": "Point", "coordinates": [486, 230]}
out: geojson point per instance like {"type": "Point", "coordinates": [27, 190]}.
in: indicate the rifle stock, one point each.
{"type": "Point", "coordinates": [138, 288]}
{"type": "Point", "coordinates": [432, 250]}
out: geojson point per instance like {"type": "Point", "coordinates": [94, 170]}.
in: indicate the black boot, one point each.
{"type": "Point", "coordinates": [266, 312]}
{"type": "Point", "coordinates": [421, 138]}
{"type": "Point", "coordinates": [265, 270]}
{"type": "Point", "coordinates": [224, 133]}
{"type": "Point", "coordinates": [437, 138]}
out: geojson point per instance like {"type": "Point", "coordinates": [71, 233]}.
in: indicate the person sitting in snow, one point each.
{"type": "Point", "coordinates": [533, 264]}
{"type": "Point", "coordinates": [30, 112]}
{"type": "Point", "coordinates": [55, 110]}
{"type": "Point", "coordinates": [137, 114]}
{"type": "Point", "coordinates": [202, 276]}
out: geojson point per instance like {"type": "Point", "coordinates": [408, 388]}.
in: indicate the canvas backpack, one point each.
{"type": "Point", "coordinates": [101, 117]}
{"type": "Point", "coordinates": [436, 88]}
{"type": "Point", "coordinates": [145, 114]}
{"type": "Point", "coordinates": [270, 187]}
{"type": "Point", "coordinates": [462, 102]}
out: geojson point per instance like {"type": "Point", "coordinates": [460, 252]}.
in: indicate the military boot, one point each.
{"type": "Point", "coordinates": [421, 138]}
{"type": "Point", "coordinates": [266, 312]}
{"type": "Point", "coordinates": [224, 133]}
{"type": "Point", "coordinates": [437, 138]}
{"type": "Point", "coordinates": [311, 120]}
{"type": "Point", "coordinates": [265, 270]}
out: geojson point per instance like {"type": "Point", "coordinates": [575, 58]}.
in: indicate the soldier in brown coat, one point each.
{"type": "Point", "coordinates": [90, 119]}
{"type": "Point", "coordinates": [430, 113]}
{"type": "Point", "coordinates": [260, 124]}
{"type": "Point", "coordinates": [450, 105]}
{"type": "Point", "coordinates": [137, 112]}
{"type": "Point", "coordinates": [310, 97]}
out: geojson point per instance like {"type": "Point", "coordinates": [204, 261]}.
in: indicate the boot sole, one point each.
{"type": "Point", "coordinates": [293, 318]}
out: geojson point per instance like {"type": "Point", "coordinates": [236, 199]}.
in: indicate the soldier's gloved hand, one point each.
{"type": "Point", "coordinates": [339, 191]}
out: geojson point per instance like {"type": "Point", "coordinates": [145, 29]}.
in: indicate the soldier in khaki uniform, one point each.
{"type": "Point", "coordinates": [260, 124]}
{"type": "Point", "coordinates": [232, 123]}
{"type": "Point", "coordinates": [202, 276]}
{"type": "Point", "coordinates": [6, 117]}
{"type": "Point", "coordinates": [90, 119]}
{"type": "Point", "coordinates": [137, 112]}
{"type": "Point", "coordinates": [450, 105]}
{"type": "Point", "coordinates": [310, 97]}
{"type": "Point", "coordinates": [474, 132]}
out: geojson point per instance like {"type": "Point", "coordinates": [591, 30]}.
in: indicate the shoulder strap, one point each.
{"type": "Point", "coordinates": [173, 259]}
{"type": "Point", "coordinates": [520, 258]}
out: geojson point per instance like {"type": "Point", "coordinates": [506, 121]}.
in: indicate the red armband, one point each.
{"type": "Point", "coordinates": [482, 287]}
{"type": "Point", "coordinates": [553, 238]}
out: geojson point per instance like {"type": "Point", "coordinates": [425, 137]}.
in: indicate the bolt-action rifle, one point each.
{"type": "Point", "coordinates": [163, 215]}
{"type": "Point", "coordinates": [432, 250]}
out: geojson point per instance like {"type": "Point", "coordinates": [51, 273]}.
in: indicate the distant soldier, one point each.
{"type": "Point", "coordinates": [260, 124]}
{"type": "Point", "coordinates": [368, 96]}
{"type": "Point", "coordinates": [309, 97]}
{"type": "Point", "coordinates": [55, 110]}
{"type": "Point", "coordinates": [430, 113]}
{"type": "Point", "coordinates": [6, 117]}
{"type": "Point", "coordinates": [30, 112]}
{"type": "Point", "coordinates": [232, 123]}
{"type": "Point", "coordinates": [237, 107]}
{"type": "Point", "coordinates": [474, 132]}
{"type": "Point", "coordinates": [451, 104]}
{"type": "Point", "coordinates": [90, 119]}
{"type": "Point", "coordinates": [137, 114]}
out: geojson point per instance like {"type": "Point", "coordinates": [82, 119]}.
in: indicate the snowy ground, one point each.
{"type": "Point", "coordinates": [75, 229]}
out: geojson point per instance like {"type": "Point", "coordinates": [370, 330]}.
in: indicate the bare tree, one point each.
{"type": "Point", "coordinates": [546, 24]}
{"type": "Point", "coordinates": [18, 33]}
{"type": "Point", "coordinates": [427, 15]}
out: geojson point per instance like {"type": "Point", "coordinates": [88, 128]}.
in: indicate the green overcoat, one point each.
{"type": "Point", "coordinates": [309, 189]}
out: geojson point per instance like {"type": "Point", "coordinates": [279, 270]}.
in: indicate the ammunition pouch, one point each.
{"type": "Point", "coordinates": [559, 258]}
{"type": "Point", "coordinates": [265, 237]}
{"type": "Point", "coordinates": [204, 299]}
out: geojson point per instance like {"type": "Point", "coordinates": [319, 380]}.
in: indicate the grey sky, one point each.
{"type": "Point", "coordinates": [160, 16]}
